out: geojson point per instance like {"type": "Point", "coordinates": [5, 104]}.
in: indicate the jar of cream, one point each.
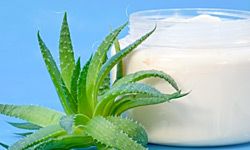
{"type": "Point", "coordinates": [207, 52]}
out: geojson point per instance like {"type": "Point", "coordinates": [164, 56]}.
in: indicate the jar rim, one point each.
{"type": "Point", "coordinates": [143, 21]}
{"type": "Point", "coordinates": [234, 13]}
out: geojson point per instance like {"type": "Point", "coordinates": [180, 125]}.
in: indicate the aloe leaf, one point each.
{"type": "Point", "coordinates": [133, 129]}
{"type": "Point", "coordinates": [106, 133]}
{"type": "Point", "coordinates": [34, 114]}
{"type": "Point", "coordinates": [83, 104]}
{"type": "Point", "coordinates": [40, 135]}
{"type": "Point", "coordinates": [106, 101]}
{"type": "Point", "coordinates": [80, 119]}
{"type": "Point", "coordinates": [140, 75]}
{"type": "Point", "coordinates": [62, 91]}
{"type": "Point", "coordinates": [142, 101]}
{"type": "Point", "coordinates": [66, 142]}
{"type": "Point", "coordinates": [120, 101]}
{"type": "Point", "coordinates": [70, 122]}
{"type": "Point", "coordinates": [25, 125]}
{"type": "Point", "coordinates": [105, 86]}
{"type": "Point", "coordinates": [119, 67]}
{"type": "Point", "coordinates": [24, 134]}
{"type": "Point", "coordinates": [74, 78]}
{"type": "Point", "coordinates": [106, 83]}
{"type": "Point", "coordinates": [4, 145]}
{"type": "Point", "coordinates": [106, 68]}
{"type": "Point", "coordinates": [67, 60]}
{"type": "Point", "coordinates": [128, 104]}
{"type": "Point", "coordinates": [96, 64]}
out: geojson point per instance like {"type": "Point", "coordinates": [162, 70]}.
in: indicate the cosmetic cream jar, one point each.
{"type": "Point", "coordinates": [207, 52]}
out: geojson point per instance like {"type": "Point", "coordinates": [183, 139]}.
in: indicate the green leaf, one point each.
{"type": "Point", "coordinates": [34, 114]}
{"type": "Point", "coordinates": [70, 122]}
{"type": "Point", "coordinates": [25, 125]}
{"type": "Point", "coordinates": [67, 60]}
{"type": "Point", "coordinates": [4, 145]}
{"type": "Point", "coordinates": [105, 86]}
{"type": "Point", "coordinates": [96, 64]}
{"type": "Point", "coordinates": [140, 75]}
{"type": "Point", "coordinates": [110, 135]}
{"type": "Point", "coordinates": [39, 136]}
{"type": "Point", "coordinates": [121, 100]}
{"type": "Point", "coordinates": [66, 142]}
{"type": "Point", "coordinates": [67, 100]}
{"type": "Point", "coordinates": [107, 100]}
{"type": "Point", "coordinates": [24, 134]}
{"type": "Point", "coordinates": [74, 78]}
{"type": "Point", "coordinates": [106, 83]}
{"type": "Point", "coordinates": [106, 68]}
{"type": "Point", "coordinates": [126, 104]}
{"type": "Point", "coordinates": [80, 119]}
{"type": "Point", "coordinates": [83, 104]}
{"type": "Point", "coordinates": [133, 129]}
{"type": "Point", "coordinates": [119, 67]}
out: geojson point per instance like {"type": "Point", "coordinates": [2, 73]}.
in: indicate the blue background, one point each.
{"type": "Point", "coordinates": [23, 76]}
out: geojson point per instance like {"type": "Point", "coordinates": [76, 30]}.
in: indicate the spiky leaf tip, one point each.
{"type": "Point", "coordinates": [66, 53]}
{"type": "Point", "coordinates": [65, 97]}
{"type": "Point", "coordinates": [106, 68]}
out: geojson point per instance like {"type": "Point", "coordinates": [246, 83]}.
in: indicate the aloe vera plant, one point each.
{"type": "Point", "coordinates": [92, 105]}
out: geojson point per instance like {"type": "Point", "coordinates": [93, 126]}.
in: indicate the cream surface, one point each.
{"type": "Point", "coordinates": [208, 56]}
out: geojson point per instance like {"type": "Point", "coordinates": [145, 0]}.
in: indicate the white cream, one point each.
{"type": "Point", "coordinates": [207, 53]}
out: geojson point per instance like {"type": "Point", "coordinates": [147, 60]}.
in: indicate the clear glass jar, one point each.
{"type": "Point", "coordinates": [207, 51]}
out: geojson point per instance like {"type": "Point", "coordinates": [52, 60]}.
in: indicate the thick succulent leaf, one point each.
{"type": "Point", "coordinates": [96, 64]}
{"type": "Point", "coordinates": [133, 129]}
{"type": "Point", "coordinates": [106, 83]}
{"type": "Point", "coordinates": [24, 133]}
{"type": "Point", "coordinates": [25, 125]}
{"type": "Point", "coordinates": [140, 75]}
{"type": "Point", "coordinates": [120, 101]}
{"type": "Point", "coordinates": [83, 104]}
{"type": "Point", "coordinates": [67, 100]}
{"type": "Point", "coordinates": [106, 101]}
{"type": "Point", "coordinates": [106, 133]}
{"type": "Point", "coordinates": [4, 145]}
{"type": "Point", "coordinates": [119, 67]}
{"type": "Point", "coordinates": [106, 68]}
{"type": "Point", "coordinates": [105, 86]}
{"type": "Point", "coordinates": [34, 114]}
{"type": "Point", "coordinates": [126, 104]}
{"type": "Point", "coordinates": [66, 54]}
{"type": "Point", "coordinates": [69, 123]}
{"type": "Point", "coordinates": [40, 135]}
{"type": "Point", "coordinates": [74, 78]}
{"type": "Point", "coordinates": [80, 119]}
{"type": "Point", "coordinates": [66, 142]}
